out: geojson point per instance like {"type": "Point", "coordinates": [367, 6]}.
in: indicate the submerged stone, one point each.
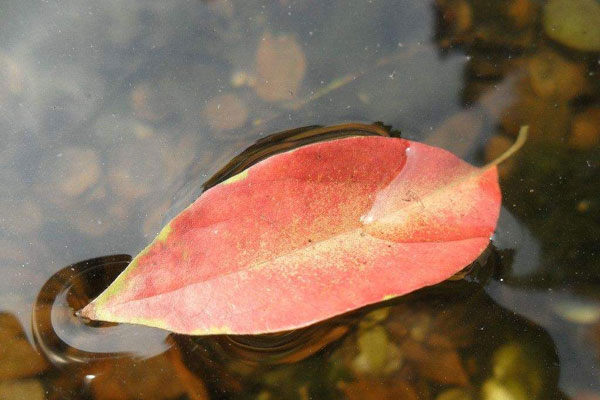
{"type": "Point", "coordinates": [30, 389]}
{"type": "Point", "coordinates": [574, 23]}
{"type": "Point", "coordinates": [493, 389]}
{"type": "Point", "coordinates": [455, 394]}
{"type": "Point", "coordinates": [519, 370]}
{"type": "Point", "coordinates": [585, 129]}
{"type": "Point", "coordinates": [17, 358]}
{"type": "Point", "coordinates": [377, 353]}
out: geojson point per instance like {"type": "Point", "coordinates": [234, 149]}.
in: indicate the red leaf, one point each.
{"type": "Point", "coordinates": [309, 234]}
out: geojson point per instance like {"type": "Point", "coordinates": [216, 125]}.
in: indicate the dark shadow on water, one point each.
{"type": "Point", "coordinates": [270, 145]}
{"type": "Point", "coordinates": [453, 325]}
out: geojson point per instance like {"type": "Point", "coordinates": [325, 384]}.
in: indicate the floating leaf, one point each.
{"type": "Point", "coordinates": [309, 234]}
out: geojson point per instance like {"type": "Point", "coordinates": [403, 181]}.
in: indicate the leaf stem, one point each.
{"type": "Point", "coordinates": [521, 139]}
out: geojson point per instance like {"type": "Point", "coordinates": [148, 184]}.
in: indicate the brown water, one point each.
{"type": "Point", "coordinates": [113, 116]}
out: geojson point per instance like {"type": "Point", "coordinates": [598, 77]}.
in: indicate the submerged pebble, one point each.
{"type": "Point", "coordinates": [137, 168]}
{"type": "Point", "coordinates": [11, 76]}
{"type": "Point", "coordinates": [552, 117]}
{"type": "Point", "coordinates": [375, 317]}
{"type": "Point", "coordinates": [494, 389]}
{"type": "Point", "coordinates": [574, 23]}
{"type": "Point", "coordinates": [458, 133]}
{"type": "Point", "coordinates": [455, 394]}
{"type": "Point", "coordinates": [585, 130]}
{"type": "Point", "coordinates": [375, 389]}
{"type": "Point", "coordinates": [69, 173]}
{"type": "Point", "coordinates": [516, 371]}
{"type": "Point", "coordinates": [89, 222]}
{"type": "Point", "coordinates": [377, 354]}
{"type": "Point", "coordinates": [29, 389]}
{"type": "Point", "coordinates": [153, 378]}
{"type": "Point", "coordinates": [578, 311]}
{"type": "Point", "coordinates": [148, 103]}
{"type": "Point", "coordinates": [552, 75]}
{"type": "Point", "coordinates": [17, 358]}
{"type": "Point", "coordinates": [225, 112]}
{"type": "Point", "coordinates": [522, 12]}
{"type": "Point", "coordinates": [280, 67]}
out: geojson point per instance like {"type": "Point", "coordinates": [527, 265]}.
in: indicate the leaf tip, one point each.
{"type": "Point", "coordinates": [88, 311]}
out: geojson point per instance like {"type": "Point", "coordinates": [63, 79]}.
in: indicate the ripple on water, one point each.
{"type": "Point", "coordinates": [67, 339]}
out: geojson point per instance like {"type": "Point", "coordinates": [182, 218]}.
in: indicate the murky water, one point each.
{"type": "Point", "coordinates": [113, 117]}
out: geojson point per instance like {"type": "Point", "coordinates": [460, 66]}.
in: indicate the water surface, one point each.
{"type": "Point", "coordinates": [113, 115]}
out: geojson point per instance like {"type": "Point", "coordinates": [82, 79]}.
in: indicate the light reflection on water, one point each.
{"type": "Point", "coordinates": [66, 339]}
{"type": "Point", "coordinates": [105, 133]}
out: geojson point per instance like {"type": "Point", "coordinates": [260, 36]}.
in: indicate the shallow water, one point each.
{"type": "Point", "coordinates": [113, 116]}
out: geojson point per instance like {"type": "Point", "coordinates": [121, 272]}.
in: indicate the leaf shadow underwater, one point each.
{"type": "Point", "coordinates": [455, 321]}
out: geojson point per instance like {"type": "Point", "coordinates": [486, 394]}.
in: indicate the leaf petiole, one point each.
{"type": "Point", "coordinates": [521, 139]}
